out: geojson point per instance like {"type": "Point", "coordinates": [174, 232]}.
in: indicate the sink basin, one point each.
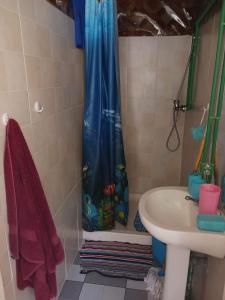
{"type": "Point", "coordinates": [168, 216]}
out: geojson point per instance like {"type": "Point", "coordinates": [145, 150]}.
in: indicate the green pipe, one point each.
{"type": "Point", "coordinates": [214, 87]}
{"type": "Point", "coordinates": [193, 62]}
{"type": "Point", "coordinates": [194, 54]}
{"type": "Point", "coordinates": [219, 112]}
{"type": "Point", "coordinates": [205, 12]}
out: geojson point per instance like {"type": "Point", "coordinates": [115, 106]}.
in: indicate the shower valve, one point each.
{"type": "Point", "coordinates": [178, 106]}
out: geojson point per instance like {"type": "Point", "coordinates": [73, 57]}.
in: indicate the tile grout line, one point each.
{"type": "Point", "coordinates": [24, 61]}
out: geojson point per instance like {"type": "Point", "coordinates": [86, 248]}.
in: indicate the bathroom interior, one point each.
{"type": "Point", "coordinates": [172, 78]}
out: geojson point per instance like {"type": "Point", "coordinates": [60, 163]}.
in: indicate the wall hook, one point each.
{"type": "Point", "coordinates": [38, 107]}
{"type": "Point", "coordinates": [5, 119]}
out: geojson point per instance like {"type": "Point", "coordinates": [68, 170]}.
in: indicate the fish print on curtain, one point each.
{"type": "Point", "coordinates": [105, 184]}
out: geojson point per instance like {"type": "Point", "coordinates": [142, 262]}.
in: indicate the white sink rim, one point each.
{"type": "Point", "coordinates": [211, 243]}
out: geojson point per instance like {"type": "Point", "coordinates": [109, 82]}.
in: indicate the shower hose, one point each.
{"type": "Point", "coordinates": [176, 110]}
{"type": "Point", "coordinates": [173, 130]}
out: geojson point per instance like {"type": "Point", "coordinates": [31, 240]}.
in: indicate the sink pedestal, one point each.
{"type": "Point", "coordinates": [177, 263]}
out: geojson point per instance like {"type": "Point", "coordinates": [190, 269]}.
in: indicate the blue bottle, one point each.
{"type": "Point", "coordinates": [223, 190]}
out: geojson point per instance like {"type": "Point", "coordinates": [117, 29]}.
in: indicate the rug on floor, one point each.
{"type": "Point", "coordinates": [115, 259]}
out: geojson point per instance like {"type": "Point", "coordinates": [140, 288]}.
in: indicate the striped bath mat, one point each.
{"type": "Point", "coordinates": [116, 259]}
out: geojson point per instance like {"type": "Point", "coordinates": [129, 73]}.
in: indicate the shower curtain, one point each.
{"type": "Point", "coordinates": [105, 185]}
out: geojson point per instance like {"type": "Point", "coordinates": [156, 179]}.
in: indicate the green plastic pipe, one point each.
{"type": "Point", "coordinates": [193, 62]}
{"type": "Point", "coordinates": [206, 11]}
{"type": "Point", "coordinates": [194, 54]}
{"type": "Point", "coordinates": [211, 117]}
{"type": "Point", "coordinates": [219, 113]}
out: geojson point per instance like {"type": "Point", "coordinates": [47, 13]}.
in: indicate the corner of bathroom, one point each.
{"type": "Point", "coordinates": [112, 173]}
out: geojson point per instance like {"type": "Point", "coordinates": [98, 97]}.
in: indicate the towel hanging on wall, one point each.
{"type": "Point", "coordinates": [33, 239]}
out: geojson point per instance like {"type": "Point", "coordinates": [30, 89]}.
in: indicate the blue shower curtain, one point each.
{"type": "Point", "coordinates": [105, 185]}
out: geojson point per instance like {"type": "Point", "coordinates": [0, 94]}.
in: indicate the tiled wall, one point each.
{"type": "Point", "coordinates": [38, 62]}
{"type": "Point", "coordinates": [151, 72]}
{"type": "Point", "coordinates": [215, 277]}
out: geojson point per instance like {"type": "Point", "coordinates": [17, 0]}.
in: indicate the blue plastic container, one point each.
{"type": "Point", "coordinates": [159, 253]}
{"type": "Point", "coordinates": [211, 223]}
{"type": "Point", "coordinates": [223, 190]}
{"type": "Point", "coordinates": [194, 182]}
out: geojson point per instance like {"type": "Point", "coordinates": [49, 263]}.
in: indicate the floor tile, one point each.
{"type": "Point", "coordinates": [97, 278]}
{"type": "Point", "coordinates": [135, 294]}
{"type": "Point", "coordinates": [113, 293]}
{"type": "Point", "coordinates": [74, 274]}
{"type": "Point", "coordinates": [77, 259]}
{"type": "Point", "coordinates": [101, 292]}
{"type": "Point", "coordinates": [136, 285]}
{"type": "Point", "coordinates": [71, 290]}
{"type": "Point", "coordinates": [91, 292]}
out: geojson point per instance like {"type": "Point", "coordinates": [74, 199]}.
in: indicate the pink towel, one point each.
{"type": "Point", "coordinates": [32, 234]}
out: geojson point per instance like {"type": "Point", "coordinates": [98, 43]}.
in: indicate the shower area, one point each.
{"type": "Point", "coordinates": [153, 73]}
{"type": "Point", "coordinates": [151, 70]}
{"type": "Point", "coordinates": [42, 86]}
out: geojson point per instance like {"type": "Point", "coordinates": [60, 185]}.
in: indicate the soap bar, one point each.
{"type": "Point", "coordinates": [211, 223]}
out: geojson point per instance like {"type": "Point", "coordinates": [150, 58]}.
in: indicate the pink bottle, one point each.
{"type": "Point", "coordinates": [209, 199]}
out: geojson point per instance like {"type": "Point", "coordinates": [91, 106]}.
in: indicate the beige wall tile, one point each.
{"type": "Point", "coordinates": [41, 12]}
{"type": "Point", "coordinates": [29, 33]}
{"type": "Point", "coordinates": [59, 47]}
{"type": "Point", "coordinates": [77, 56]}
{"type": "Point", "coordinates": [40, 135]}
{"type": "Point", "coordinates": [123, 85]}
{"type": "Point", "coordinates": [47, 73]}
{"type": "Point", "coordinates": [33, 67]}
{"type": "Point", "coordinates": [148, 47]}
{"type": "Point", "coordinates": [141, 83]}
{"type": "Point", "coordinates": [5, 267]}
{"type": "Point", "coordinates": [63, 98]}
{"type": "Point", "coordinates": [173, 50]}
{"type": "Point", "coordinates": [9, 31]}
{"type": "Point", "coordinates": [152, 84]}
{"type": "Point", "coordinates": [9, 4]}
{"type": "Point", "coordinates": [19, 106]}
{"type": "Point", "coordinates": [133, 141]}
{"type": "Point", "coordinates": [123, 51]}
{"type": "Point", "coordinates": [36, 39]}
{"type": "Point", "coordinates": [53, 188]}
{"type": "Point", "coordinates": [65, 74]}
{"type": "Point", "coordinates": [10, 292]}
{"type": "Point", "coordinates": [26, 8]}
{"type": "Point", "coordinates": [53, 136]}
{"type": "Point", "coordinates": [46, 97]}
{"type": "Point", "coordinates": [57, 21]}
{"type": "Point", "coordinates": [57, 74]}
{"type": "Point", "coordinates": [3, 80]}
{"type": "Point", "coordinates": [15, 71]}
{"type": "Point", "coordinates": [43, 38]}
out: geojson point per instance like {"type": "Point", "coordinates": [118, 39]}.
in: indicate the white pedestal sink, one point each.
{"type": "Point", "coordinates": [169, 217]}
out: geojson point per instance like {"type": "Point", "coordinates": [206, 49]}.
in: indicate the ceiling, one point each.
{"type": "Point", "coordinates": [151, 17]}
{"type": "Point", "coordinates": [158, 17]}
